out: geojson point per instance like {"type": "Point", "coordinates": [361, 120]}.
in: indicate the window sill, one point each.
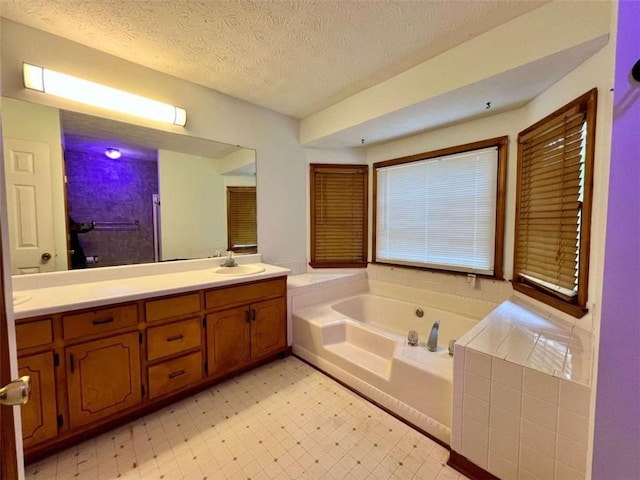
{"type": "Point", "coordinates": [338, 264]}
{"type": "Point", "coordinates": [439, 270]}
{"type": "Point", "coordinates": [568, 308]}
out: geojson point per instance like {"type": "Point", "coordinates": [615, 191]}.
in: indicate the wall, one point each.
{"type": "Point", "coordinates": [192, 199]}
{"type": "Point", "coordinates": [40, 123]}
{"type": "Point", "coordinates": [241, 159]}
{"type": "Point", "coordinates": [104, 190]}
{"type": "Point", "coordinates": [211, 115]}
{"type": "Point", "coordinates": [616, 452]}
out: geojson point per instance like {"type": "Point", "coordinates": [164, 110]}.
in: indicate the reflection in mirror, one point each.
{"type": "Point", "coordinates": [164, 198]}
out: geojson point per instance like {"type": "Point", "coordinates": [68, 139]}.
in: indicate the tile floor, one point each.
{"type": "Point", "coordinates": [284, 420]}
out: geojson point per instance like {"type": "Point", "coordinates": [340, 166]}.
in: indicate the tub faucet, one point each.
{"type": "Point", "coordinates": [432, 344]}
{"type": "Point", "coordinates": [229, 262]}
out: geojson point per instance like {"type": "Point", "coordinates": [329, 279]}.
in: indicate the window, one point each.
{"type": "Point", "coordinates": [339, 215]}
{"type": "Point", "coordinates": [443, 210]}
{"type": "Point", "coordinates": [553, 209]}
{"type": "Point", "coordinates": [242, 236]}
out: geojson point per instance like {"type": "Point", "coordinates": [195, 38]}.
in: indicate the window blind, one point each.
{"type": "Point", "coordinates": [241, 219]}
{"type": "Point", "coordinates": [439, 213]}
{"type": "Point", "coordinates": [550, 205]}
{"type": "Point", "coordinates": [338, 215]}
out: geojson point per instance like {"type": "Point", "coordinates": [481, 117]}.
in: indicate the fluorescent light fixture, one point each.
{"type": "Point", "coordinates": [90, 93]}
{"type": "Point", "coordinates": [113, 153]}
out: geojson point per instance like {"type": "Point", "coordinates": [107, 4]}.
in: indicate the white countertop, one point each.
{"type": "Point", "coordinates": [64, 296]}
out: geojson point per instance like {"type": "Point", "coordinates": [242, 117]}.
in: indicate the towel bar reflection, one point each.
{"type": "Point", "coordinates": [117, 226]}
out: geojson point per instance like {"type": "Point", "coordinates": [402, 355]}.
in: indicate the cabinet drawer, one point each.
{"type": "Point", "coordinates": [172, 307]}
{"type": "Point", "coordinates": [99, 321]}
{"type": "Point", "coordinates": [227, 296]}
{"type": "Point", "coordinates": [34, 334]}
{"type": "Point", "coordinates": [174, 374]}
{"type": "Point", "coordinates": [173, 338]}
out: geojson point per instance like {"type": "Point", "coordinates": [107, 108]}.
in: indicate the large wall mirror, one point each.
{"type": "Point", "coordinates": [72, 204]}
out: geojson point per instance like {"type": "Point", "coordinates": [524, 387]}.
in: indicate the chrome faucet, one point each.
{"type": "Point", "coordinates": [432, 344]}
{"type": "Point", "coordinates": [229, 262]}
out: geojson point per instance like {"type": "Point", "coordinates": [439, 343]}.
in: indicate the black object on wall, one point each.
{"type": "Point", "coordinates": [635, 71]}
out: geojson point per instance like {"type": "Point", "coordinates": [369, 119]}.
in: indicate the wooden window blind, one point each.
{"type": "Point", "coordinates": [555, 163]}
{"type": "Point", "coordinates": [443, 210]}
{"type": "Point", "coordinates": [339, 215]}
{"type": "Point", "coordinates": [242, 234]}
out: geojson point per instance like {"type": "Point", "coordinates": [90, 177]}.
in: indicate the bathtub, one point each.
{"type": "Point", "coordinates": [362, 341]}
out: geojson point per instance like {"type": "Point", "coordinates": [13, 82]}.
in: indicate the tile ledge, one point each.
{"type": "Point", "coordinates": [561, 336]}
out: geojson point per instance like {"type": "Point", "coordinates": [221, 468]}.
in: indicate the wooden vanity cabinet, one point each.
{"type": "Point", "coordinates": [228, 340]}
{"type": "Point", "coordinates": [36, 359]}
{"type": "Point", "coordinates": [103, 378]}
{"type": "Point", "coordinates": [174, 345]}
{"type": "Point", "coordinates": [240, 334]}
{"type": "Point", "coordinates": [93, 369]}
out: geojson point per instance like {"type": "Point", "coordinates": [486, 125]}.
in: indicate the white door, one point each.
{"type": "Point", "coordinates": [28, 178]}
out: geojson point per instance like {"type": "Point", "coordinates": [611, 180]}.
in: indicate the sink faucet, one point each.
{"type": "Point", "coordinates": [229, 262]}
{"type": "Point", "coordinates": [432, 344]}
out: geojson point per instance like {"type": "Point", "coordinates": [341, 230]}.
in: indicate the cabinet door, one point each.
{"type": "Point", "coordinates": [228, 336]}
{"type": "Point", "coordinates": [39, 414]}
{"type": "Point", "coordinates": [103, 378]}
{"type": "Point", "coordinates": [269, 327]}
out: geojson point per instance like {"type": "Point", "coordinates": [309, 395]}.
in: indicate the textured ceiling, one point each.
{"type": "Point", "coordinates": [295, 57]}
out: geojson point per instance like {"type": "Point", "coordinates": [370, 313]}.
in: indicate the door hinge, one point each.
{"type": "Point", "coordinates": [56, 360]}
{"type": "Point", "coordinates": [60, 421]}
{"type": "Point", "coordinates": [140, 337]}
{"type": "Point", "coordinates": [206, 367]}
{"type": "Point", "coordinates": [142, 390]}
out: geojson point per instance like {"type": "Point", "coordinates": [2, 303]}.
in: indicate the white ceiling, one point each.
{"type": "Point", "coordinates": [295, 57]}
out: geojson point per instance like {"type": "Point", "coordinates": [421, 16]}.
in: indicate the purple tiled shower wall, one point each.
{"type": "Point", "coordinates": [103, 190]}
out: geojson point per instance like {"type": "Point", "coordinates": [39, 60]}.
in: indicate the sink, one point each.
{"type": "Point", "coordinates": [239, 270]}
{"type": "Point", "coordinates": [19, 298]}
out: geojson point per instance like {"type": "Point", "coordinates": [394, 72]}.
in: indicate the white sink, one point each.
{"type": "Point", "coordinates": [239, 270]}
{"type": "Point", "coordinates": [19, 298]}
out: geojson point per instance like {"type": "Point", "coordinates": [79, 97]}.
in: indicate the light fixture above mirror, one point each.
{"type": "Point", "coordinates": [101, 96]}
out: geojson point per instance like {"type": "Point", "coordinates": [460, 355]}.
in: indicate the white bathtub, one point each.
{"type": "Point", "coordinates": [362, 341]}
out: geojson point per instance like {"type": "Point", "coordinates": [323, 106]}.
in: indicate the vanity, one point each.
{"type": "Point", "coordinates": [102, 352]}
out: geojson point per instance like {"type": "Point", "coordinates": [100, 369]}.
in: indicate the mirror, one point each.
{"type": "Point", "coordinates": [165, 198]}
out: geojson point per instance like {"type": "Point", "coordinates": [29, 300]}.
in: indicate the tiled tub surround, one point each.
{"type": "Point", "coordinates": [522, 395]}
{"type": "Point", "coordinates": [360, 337]}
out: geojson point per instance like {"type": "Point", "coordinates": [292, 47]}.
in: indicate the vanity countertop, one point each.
{"type": "Point", "coordinates": [48, 300]}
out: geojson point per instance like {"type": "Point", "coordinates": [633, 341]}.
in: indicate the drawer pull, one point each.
{"type": "Point", "coordinates": [175, 338]}
{"type": "Point", "coordinates": [103, 321]}
{"type": "Point", "coordinates": [177, 374]}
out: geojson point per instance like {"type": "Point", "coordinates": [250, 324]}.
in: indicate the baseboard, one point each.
{"type": "Point", "coordinates": [468, 468]}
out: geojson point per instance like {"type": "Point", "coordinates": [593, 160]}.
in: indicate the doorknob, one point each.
{"type": "Point", "coordinates": [16, 392]}
{"type": "Point", "coordinates": [46, 256]}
